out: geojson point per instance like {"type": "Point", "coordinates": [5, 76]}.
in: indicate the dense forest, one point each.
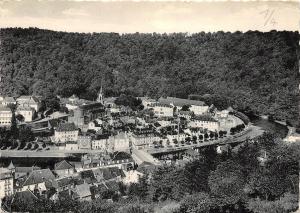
{"type": "Point", "coordinates": [250, 71]}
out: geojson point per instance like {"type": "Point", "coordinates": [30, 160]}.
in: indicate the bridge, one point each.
{"type": "Point", "coordinates": [251, 132]}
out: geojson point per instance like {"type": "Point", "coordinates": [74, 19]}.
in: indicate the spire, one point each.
{"type": "Point", "coordinates": [100, 96]}
{"type": "Point", "coordinates": [11, 166]}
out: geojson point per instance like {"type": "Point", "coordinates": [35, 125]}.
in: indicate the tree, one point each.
{"type": "Point", "coordinates": [13, 127]}
{"type": "Point", "coordinates": [227, 182]}
{"type": "Point", "coordinates": [26, 135]}
{"type": "Point", "coordinates": [287, 203]}
{"type": "Point", "coordinates": [185, 108]}
{"type": "Point", "coordinates": [20, 118]}
{"type": "Point", "coordinates": [197, 203]}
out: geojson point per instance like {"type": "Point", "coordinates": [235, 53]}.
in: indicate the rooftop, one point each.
{"type": "Point", "coordinates": [39, 176]}
{"type": "Point", "coordinates": [62, 127]}
{"type": "Point", "coordinates": [180, 101]}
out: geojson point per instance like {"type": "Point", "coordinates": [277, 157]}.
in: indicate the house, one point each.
{"type": "Point", "coordinates": [22, 171]}
{"type": "Point", "coordinates": [71, 145]}
{"type": "Point", "coordinates": [6, 183]}
{"type": "Point", "coordinates": [64, 168]}
{"type": "Point", "coordinates": [108, 174]}
{"type": "Point", "coordinates": [185, 114]}
{"type": "Point", "coordinates": [119, 142]}
{"type": "Point", "coordinates": [8, 100]}
{"type": "Point", "coordinates": [27, 113]}
{"type": "Point", "coordinates": [29, 101]}
{"type": "Point", "coordinates": [100, 142]}
{"type": "Point", "coordinates": [65, 183]}
{"type": "Point", "coordinates": [162, 110]}
{"type": "Point", "coordinates": [42, 180]}
{"type": "Point", "coordinates": [88, 176]}
{"type": "Point", "coordinates": [147, 102]}
{"type": "Point", "coordinates": [86, 113]}
{"type": "Point", "coordinates": [83, 192]}
{"type": "Point", "coordinates": [174, 136]}
{"type": "Point", "coordinates": [26, 196]}
{"type": "Point", "coordinates": [198, 107]}
{"type": "Point", "coordinates": [101, 160]}
{"type": "Point", "coordinates": [84, 142]}
{"type": "Point", "coordinates": [205, 122]}
{"type": "Point", "coordinates": [143, 137]}
{"type": "Point", "coordinates": [95, 125]}
{"type": "Point", "coordinates": [5, 116]}
{"type": "Point", "coordinates": [65, 132]}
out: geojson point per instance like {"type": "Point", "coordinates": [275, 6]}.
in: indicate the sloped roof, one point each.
{"type": "Point", "coordinates": [65, 181]}
{"type": "Point", "coordinates": [9, 99]}
{"type": "Point", "coordinates": [25, 196]}
{"type": "Point", "coordinates": [112, 185]}
{"type": "Point", "coordinates": [180, 101]}
{"type": "Point", "coordinates": [62, 127]}
{"type": "Point", "coordinates": [24, 169]}
{"type": "Point", "coordinates": [62, 165]}
{"type": "Point", "coordinates": [83, 190]}
{"type": "Point", "coordinates": [11, 166]}
{"type": "Point", "coordinates": [39, 176]}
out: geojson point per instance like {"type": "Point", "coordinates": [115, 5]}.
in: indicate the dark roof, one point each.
{"type": "Point", "coordinates": [204, 118]}
{"type": "Point", "coordinates": [26, 169]}
{"type": "Point", "coordinates": [62, 127]}
{"type": "Point", "coordinates": [112, 185]}
{"type": "Point", "coordinates": [65, 181]}
{"type": "Point", "coordinates": [88, 176]}
{"type": "Point", "coordinates": [62, 165]}
{"type": "Point", "coordinates": [91, 106]}
{"type": "Point", "coordinates": [25, 196]}
{"type": "Point", "coordinates": [39, 176]}
{"type": "Point", "coordinates": [180, 101]}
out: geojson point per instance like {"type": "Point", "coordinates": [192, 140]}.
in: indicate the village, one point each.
{"type": "Point", "coordinates": [115, 143]}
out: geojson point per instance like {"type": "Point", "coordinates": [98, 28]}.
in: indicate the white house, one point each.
{"type": "Point", "coordinates": [143, 137]}
{"type": "Point", "coordinates": [95, 125]}
{"type": "Point", "coordinates": [205, 122]}
{"type": "Point", "coordinates": [100, 143]}
{"type": "Point", "coordinates": [5, 116]}
{"type": "Point", "coordinates": [65, 132]}
{"type": "Point", "coordinates": [6, 183]}
{"type": "Point", "coordinates": [29, 101]}
{"type": "Point", "coordinates": [8, 100]}
{"type": "Point", "coordinates": [162, 110]}
{"type": "Point", "coordinates": [179, 137]}
{"type": "Point", "coordinates": [120, 141]}
{"type": "Point", "coordinates": [38, 179]}
{"type": "Point", "coordinates": [199, 109]}
{"type": "Point", "coordinates": [147, 102]}
{"type": "Point", "coordinates": [27, 112]}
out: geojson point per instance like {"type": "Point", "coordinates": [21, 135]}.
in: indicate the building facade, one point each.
{"type": "Point", "coordinates": [6, 183]}
{"type": "Point", "coordinates": [5, 116]}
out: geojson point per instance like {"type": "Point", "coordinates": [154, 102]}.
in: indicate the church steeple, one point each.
{"type": "Point", "coordinates": [100, 96]}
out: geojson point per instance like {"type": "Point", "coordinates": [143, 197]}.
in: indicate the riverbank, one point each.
{"type": "Point", "coordinates": [276, 127]}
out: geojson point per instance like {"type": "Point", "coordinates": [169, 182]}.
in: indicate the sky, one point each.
{"type": "Point", "coordinates": [148, 17]}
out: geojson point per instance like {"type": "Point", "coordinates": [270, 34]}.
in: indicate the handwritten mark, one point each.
{"type": "Point", "coordinates": [268, 17]}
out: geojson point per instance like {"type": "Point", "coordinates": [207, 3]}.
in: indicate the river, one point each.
{"type": "Point", "coordinates": [270, 126]}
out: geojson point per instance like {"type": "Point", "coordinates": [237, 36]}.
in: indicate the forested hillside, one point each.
{"type": "Point", "coordinates": [251, 71]}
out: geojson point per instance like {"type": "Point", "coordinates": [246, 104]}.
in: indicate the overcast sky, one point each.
{"type": "Point", "coordinates": [128, 17]}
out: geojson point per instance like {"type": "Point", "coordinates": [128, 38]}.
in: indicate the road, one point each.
{"type": "Point", "coordinates": [249, 133]}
